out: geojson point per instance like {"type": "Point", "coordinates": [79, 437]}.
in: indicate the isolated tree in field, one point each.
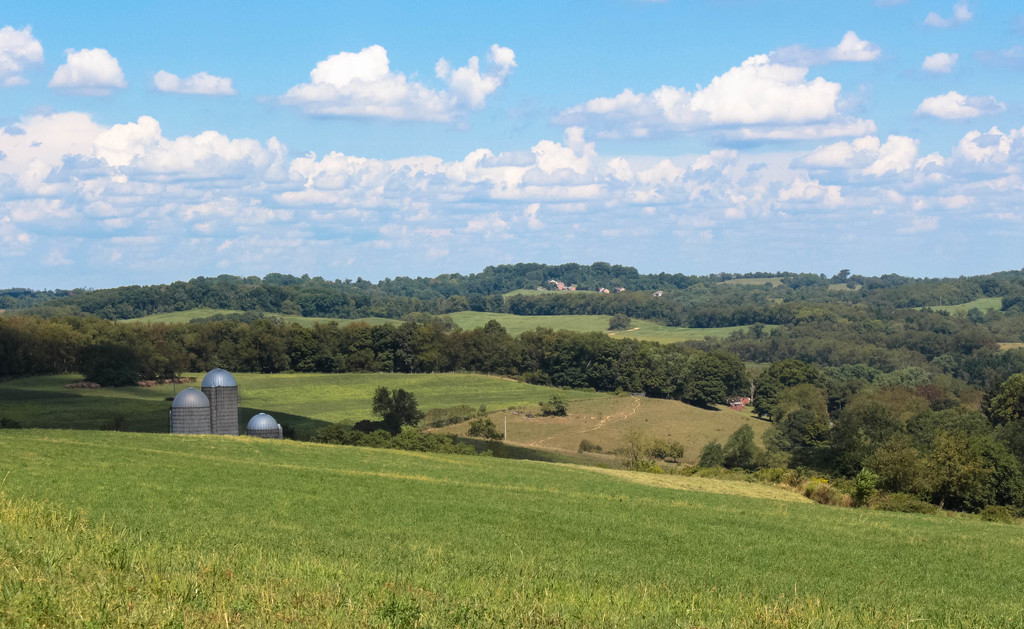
{"type": "Point", "coordinates": [635, 451]}
{"type": "Point", "coordinates": [484, 428]}
{"type": "Point", "coordinates": [712, 455]}
{"type": "Point", "coordinates": [619, 322]}
{"type": "Point", "coordinates": [396, 409]}
{"type": "Point", "coordinates": [555, 406]}
{"type": "Point", "coordinates": [740, 449]}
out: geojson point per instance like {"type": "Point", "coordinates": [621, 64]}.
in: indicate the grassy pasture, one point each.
{"type": "Point", "coordinates": [605, 420]}
{"type": "Point", "coordinates": [515, 324]}
{"type": "Point", "coordinates": [115, 529]}
{"type": "Point", "coordinates": [755, 281]}
{"type": "Point", "coordinates": [184, 316]}
{"type": "Point", "coordinates": [306, 401]}
{"type": "Point", "coordinates": [983, 304]}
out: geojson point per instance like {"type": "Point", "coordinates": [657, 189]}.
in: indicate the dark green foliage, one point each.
{"type": "Point", "coordinates": [740, 449]}
{"type": "Point", "coordinates": [619, 322]}
{"type": "Point", "coordinates": [782, 375]}
{"type": "Point", "coordinates": [396, 409]}
{"type": "Point", "coordinates": [440, 417]}
{"type": "Point", "coordinates": [904, 503]}
{"type": "Point", "coordinates": [712, 455]}
{"type": "Point", "coordinates": [865, 485]}
{"type": "Point", "coordinates": [109, 365]}
{"type": "Point", "coordinates": [666, 450]}
{"type": "Point", "coordinates": [1007, 404]}
{"type": "Point", "coordinates": [484, 428]}
{"type": "Point", "coordinates": [556, 406]}
{"type": "Point", "coordinates": [6, 422]}
{"type": "Point", "coordinates": [710, 378]}
{"type": "Point", "coordinates": [588, 446]}
{"type": "Point", "coordinates": [408, 439]}
{"type": "Point", "coordinates": [996, 513]}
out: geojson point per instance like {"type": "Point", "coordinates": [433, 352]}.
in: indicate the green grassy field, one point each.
{"type": "Point", "coordinates": [306, 401]}
{"type": "Point", "coordinates": [604, 421]}
{"type": "Point", "coordinates": [755, 281]}
{"type": "Point", "coordinates": [515, 324]}
{"type": "Point", "coordinates": [116, 529]}
{"type": "Point", "coordinates": [983, 304]}
{"type": "Point", "coordinates": [184, 316]}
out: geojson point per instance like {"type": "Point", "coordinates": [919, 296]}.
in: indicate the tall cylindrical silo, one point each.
{"type": "Point", "coordinates": [190, 413]}
{"type": "Point", "coordinates": [222, 390]}
{"type": "Point", "coordinates": [263, 426]}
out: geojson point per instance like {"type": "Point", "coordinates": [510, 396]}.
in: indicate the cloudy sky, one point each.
{"type": "Point", "coordinates": [146, 143]}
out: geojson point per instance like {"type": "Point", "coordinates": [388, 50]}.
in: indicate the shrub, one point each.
{"type": "Point", "coordinates": [555, 406]}
{"type": "Point", "coordinates": [904, 503]}
{"type": "Point", "coordinates": [618, 322]}
{"type": "Point", "coordinates": [740, 449]}
{"type": "Point", "coordinates": [485, 428]}
{"type": "Point", "coordinates": [587, 445]}
{"type": "Point", "coordinates": [635, 451]}
{"type": "Point", "coordinates": [662, 449]}
{"type": "Point", "coordinates": [440, 417]}
{"type": "Point", "coordinates": [821, 491]}
{"type": "Point", "coordinates": [6, 422]}
{"type": "Point", "coordinates": [864, 486]}
{"type": "Point", "coordinates": [996, 513]}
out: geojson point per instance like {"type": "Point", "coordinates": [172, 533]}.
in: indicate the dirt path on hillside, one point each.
{"type": "Point", "coordinates": [615, 418]}
{"type": "Point", "coordinates": [617, 331]}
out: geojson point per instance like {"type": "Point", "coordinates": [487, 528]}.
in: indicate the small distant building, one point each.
{"type": "Point", "coordinates": [738, 403]}
{"type": "Point", "coordinates": [658, 293]}
{"type": "Point", "coordinates": [573, 287]}
{"type": "Point", "coordinates": [620, 289]}
{"type": "Point", "coordinates": [603, 290]}
{"type": "Point", "coordinates": [264, 426]}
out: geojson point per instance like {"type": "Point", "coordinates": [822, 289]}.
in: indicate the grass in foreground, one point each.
{"type": "Point", "coordinates": [107, 529]}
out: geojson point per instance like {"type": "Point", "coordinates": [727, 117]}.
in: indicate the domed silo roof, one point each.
{"type": "Point", "coordinates": [261, 421]}
{"type": "Point", "coordinates": [219, 378]}
{"type": "Point", "coordinates": [190, 398]}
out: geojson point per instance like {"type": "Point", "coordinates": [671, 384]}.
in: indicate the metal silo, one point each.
{"type": "Point", "coordinates": [221, 388]}
{"type": "Point", "coordinates": [264, 426]}
{"type": "Point", "coordinates": [190, 413]}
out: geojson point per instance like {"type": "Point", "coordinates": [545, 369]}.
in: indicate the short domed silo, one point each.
{"type": "Point", "coordinates": [264, 426]}
{"type": "Point", "coordinates": [222, 390]}
{"type": "Point", "coordinates": [190, 413]}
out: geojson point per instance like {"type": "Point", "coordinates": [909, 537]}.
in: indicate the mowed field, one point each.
{"type": "Point", "coordinates": [983, 304]}
{"type": "Point", "coordinates": [604, 421]}
{"type": "Point", "coordinates": [119, 529]}
{"type": "Point", "coordinates": [515, 324]}
{"type": "Point", "coordinates": [305, 401]}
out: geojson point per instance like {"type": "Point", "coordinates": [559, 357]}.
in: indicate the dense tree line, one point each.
{"type": "Point", "coordinates": [34, 345]}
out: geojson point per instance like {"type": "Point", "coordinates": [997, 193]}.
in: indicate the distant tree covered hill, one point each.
{"type": "Point", "coordinates": [721, 299]}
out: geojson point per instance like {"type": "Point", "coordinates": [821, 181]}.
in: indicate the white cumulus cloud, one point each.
{"type": "Point", "coordinates": [362, 84]}
{"type": "Point", "coordinates": [850, 48]}
{"type": "Point", "coordinates": [940, 62]}
{"type": "Point", "coordinates": [955, 106]}
{"type": "Point", "coordinates": [961, 13]}
{"type": "Point", "coordinates": [759, 99]}
{"type": "Point", "coordinates": [199, 83]}
{"type": "Point", "coordinates": [92, 71]}
{"type": "Point", "coordinates": [18, 50]}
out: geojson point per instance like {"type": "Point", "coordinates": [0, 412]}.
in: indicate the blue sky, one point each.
{"type": "Point", "coordinates": [148, 143]}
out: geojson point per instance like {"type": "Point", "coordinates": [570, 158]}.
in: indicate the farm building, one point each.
{"type": "Point", "coordinates": [222, 390]}
{"type": "Point", "coordinates": [212, 411]}
{"type": "Point", "coordinates": [264, 426]}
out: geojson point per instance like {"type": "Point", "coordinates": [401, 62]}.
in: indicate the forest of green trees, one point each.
{"type": "Point", "coordinates": [861, 377]}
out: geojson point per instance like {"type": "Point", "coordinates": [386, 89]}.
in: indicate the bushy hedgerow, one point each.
{"type": "Point", "coordinates": [408, 439]}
